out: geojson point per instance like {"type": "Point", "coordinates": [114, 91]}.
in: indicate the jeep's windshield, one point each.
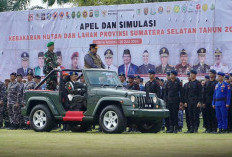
{"type": "Point", "coordinates": [103, 78]}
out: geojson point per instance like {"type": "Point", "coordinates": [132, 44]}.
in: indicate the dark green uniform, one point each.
{"type": "Point", "coordinates": [50, 62]}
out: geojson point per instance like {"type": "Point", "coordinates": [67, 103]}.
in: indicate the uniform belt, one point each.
{"type": "Point", "coordinates": [220, 99]}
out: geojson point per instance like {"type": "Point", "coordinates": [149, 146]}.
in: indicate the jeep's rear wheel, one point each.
{"type": "Point", "coordinates": [112, 120]}
{"type": "Point", "coordinates": [150, 126]}
{"type": "Point", "coordinates": [79, 128]}
{"type": "Point", "coordinates": [41, 118]}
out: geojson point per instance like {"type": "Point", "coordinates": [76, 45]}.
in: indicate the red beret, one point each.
{"type": "Point", "coordinates": [75, 54]}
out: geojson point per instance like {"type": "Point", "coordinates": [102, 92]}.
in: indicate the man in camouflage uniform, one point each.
{"type": "Point", "coordinates": [50, 61]}
{"type": "Point", "coordinates": [2, 101]}
{"type": "Point", "coordinates": [18, 117]}
{"type": "Point", "coordinates": [5, 110]}
{"type": "Point", "coordinates": [13, 101]}
{"type": "Point", "coordinates": [30, 84]}
{"type": "Point", "coordinates": [76, 93]}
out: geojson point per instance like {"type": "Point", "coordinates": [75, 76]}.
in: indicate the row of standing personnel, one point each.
{"type": "Point", "coordinates": [12, 99]}
{"type": "Point", "coordinates": [212, 98]}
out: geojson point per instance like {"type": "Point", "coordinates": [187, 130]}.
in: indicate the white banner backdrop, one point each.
{"type": "Point", "coordinates": [188, 25]}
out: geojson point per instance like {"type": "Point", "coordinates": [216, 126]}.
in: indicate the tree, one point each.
{"type": "Point", "coordinates": [52, 2]}
{"type": "Point", "coordinates": [13, 5]}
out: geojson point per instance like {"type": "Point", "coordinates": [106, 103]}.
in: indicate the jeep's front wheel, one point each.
{"type": "Point", "coordinates": [112, 120]}
{"type": "Point", "coordinates": [150, 127]}
{"type": "Point", "coordinates": [41, 119]}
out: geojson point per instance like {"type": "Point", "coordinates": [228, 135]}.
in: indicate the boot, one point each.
{"type": "Point", "coordinates": [187, 132]}
{"type": "Point", "coordinates": [191, 130]}
{"type": "Point", "coordinates": [171, 130]}
{"type": "Point", "coordinates": [224, 130]}
{"type": "Point", "coordinates": [175, 130]}
{"type": "Point", "coordinates": [220, 131]}
{"type": "Point", "coordinates": [214, 131]}
{"type": "Point", "coordinates": [196, 130]}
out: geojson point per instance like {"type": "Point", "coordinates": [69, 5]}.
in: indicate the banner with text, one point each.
{"type": "Point", "coordinates": [160, 36]}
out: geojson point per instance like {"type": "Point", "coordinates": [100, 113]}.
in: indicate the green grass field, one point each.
{"type": "Point", "coordinates": [30, 143]}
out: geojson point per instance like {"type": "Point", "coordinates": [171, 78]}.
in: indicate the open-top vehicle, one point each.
{"type": "Point", "coordinates": [109, 104]}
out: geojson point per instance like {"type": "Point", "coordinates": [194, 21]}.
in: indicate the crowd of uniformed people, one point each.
{"type": "Point", "coordinates": [211, 96]}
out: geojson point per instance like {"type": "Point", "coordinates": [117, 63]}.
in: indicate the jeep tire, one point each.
{"type": "Point", "coordinates": [112, 119]}
{"type": "Point", "coordinates": [41, 119]}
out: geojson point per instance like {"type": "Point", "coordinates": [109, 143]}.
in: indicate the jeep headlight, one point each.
{"type": "Point", "coordinates": [155, 99]}
{"type": "Point", "coordinates": [133, 98]}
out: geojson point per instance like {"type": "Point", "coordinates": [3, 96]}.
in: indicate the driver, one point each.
{"type": "Point", "coordinates": [76, 93]}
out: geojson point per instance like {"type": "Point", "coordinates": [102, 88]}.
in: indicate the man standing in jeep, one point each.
{"type": "Point", "coordinates": [76, 93]}
{"type": "Point", "coordinates": [92, 59]}
{"type": "Point", "coordinates": [50, 60]}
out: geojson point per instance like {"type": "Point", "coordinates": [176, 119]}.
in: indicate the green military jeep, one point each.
{"type": "Point", "coordinates": [109, 105]}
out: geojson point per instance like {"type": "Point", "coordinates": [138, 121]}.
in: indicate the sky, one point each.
{"type": "Point", "coordinates": [39, 3]}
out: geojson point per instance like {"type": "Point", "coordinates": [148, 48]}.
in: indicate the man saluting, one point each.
{"type": "Point", "coordinates": [50, 60]}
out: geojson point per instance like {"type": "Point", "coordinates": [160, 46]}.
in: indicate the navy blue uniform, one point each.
{"type": "Point", "coordinates": [173, 95]}
{"type": "Point", "coordinates": [210, 120]}
{"type": "Point", "coordinates": [193, 97]}
{"type": "Point", "coordinates": [221, 98]}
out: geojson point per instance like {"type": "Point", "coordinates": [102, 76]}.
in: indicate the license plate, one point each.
{"type": "Point", "coordinates": [148, 106]}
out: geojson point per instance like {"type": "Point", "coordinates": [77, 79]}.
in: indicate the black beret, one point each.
{"type": "Point", "coordinates": [137, 77]}
{"type": "Point", "coordinates": [141, 79]}
{"type": "Point", "coordinates": [207, 76]}
{"type": "Point", "coordinates": [230, 74]}
{"type": "Point", "coordinates": [213, 71]}
{"type": "Point", "coordinates": [221, 73]}
{"type": "Point", "coordinates": [40, 54]}
{"type": "Point", "coordinates": [164, 51]}
{"type": "Point", "coordinates": [20, 75]}
{"type": "Point", "coordinates": [193, 71]}
{"type": "Point", "coordinates": [131, 76]}
{"type": "Point", "coordinates": [126, 52]}
{"type": "Point", "coordinates": [30, 73]}
{"type": "Point", "coordinates": [168, 73]}
{"type": "Point", "coordinates": [13, 74]}
{"type": "Point", "coordinates": [122, 74]}
{"type": "Point", "coordinates": [188, 73]}
{"type": "Point", "coordinates": [227, 77]}
{"type": "Point", "coordinates": [174, 72]}
{"type": "Point", "coordinates": [151, 71]}
{"type": "Point", "coordinates": [93, 45]}
{"type": "Point", "coordinates": [37, 76]}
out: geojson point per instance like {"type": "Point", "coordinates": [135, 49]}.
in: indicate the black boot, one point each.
{"type": "Point", "coordinates": [187, 132]}
{"type": "Point", "coordinates": [224, 130]}
{"type": "Point", "coordinates": [175, 129]}
{"type": "Point", "coordinates": [171, 130]}
{"type": "Point", "coordinates": [191, 130]}
{"type": "Point", "coordinates": [214, 131]}
{"type": "Point", "coordinates": [220, 131]}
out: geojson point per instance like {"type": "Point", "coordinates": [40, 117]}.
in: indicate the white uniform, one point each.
{"type": "Point", "coordinates": [220, 68]}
